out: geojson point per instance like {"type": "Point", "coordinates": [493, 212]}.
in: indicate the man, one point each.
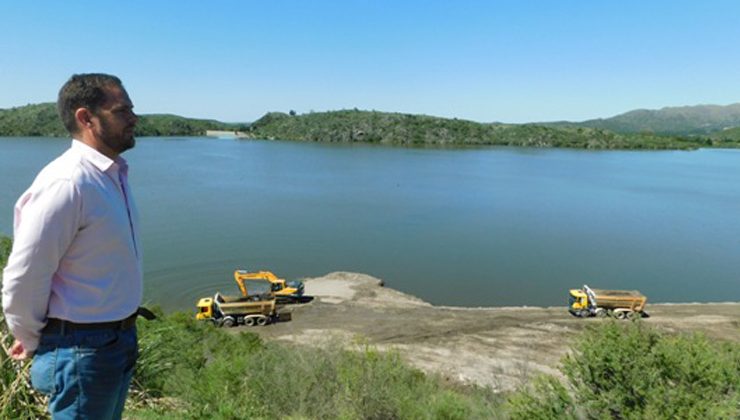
{"type": "Point", "coordinates": [73, 282]}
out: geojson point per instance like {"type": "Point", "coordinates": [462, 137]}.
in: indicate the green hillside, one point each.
{"type": "Point", "coordinates": [406, 129]}
{"type": "Point", "coordinates": [633, 130]}
{"type": "Point", "coordinates": [685, 120]}
{"type": "Point", "coordinates": [31, 120]}
{"type": "Point", "coordinates": [42, 120]}
{"type": "Point", "coordinates": [173, 125]}
{"type": "Point", "coordinates": [729, 135]}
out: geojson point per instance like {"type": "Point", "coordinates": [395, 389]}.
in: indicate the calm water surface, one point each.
{"type": "Point", "coordinates": [473, 227]}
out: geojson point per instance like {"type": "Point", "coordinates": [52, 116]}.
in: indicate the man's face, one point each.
{"type": "Point", "coordinates": [115, 121]}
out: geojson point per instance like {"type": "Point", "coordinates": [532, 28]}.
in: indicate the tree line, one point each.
{"type": "Point", "coordinates": [347, 126]}
{"type": "Point", "coordinates": [42, 120]}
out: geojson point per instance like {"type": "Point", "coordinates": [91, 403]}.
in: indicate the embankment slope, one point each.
{"type": "Point", "coordinates": [497, 347]}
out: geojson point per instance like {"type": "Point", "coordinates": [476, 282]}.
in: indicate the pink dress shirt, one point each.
{"type": "Point", "coordinates": [76, 251]}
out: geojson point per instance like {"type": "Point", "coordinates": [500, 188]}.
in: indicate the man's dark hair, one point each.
{"type": "Point", "coordinates": [83, 91]}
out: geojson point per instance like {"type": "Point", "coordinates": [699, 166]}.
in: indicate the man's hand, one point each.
{"type": "Point", "coordinates": [17, 352]}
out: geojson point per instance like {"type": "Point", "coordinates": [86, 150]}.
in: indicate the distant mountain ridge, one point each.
{"type": "Point", "coordinates": [677, 121]}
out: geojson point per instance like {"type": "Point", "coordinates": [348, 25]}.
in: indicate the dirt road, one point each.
{"type": "Point", "coordinates": [498, 347]}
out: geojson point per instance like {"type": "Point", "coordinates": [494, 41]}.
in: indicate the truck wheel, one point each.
{"type": "Point", "coordinates": [620, 314]}
{"type": "Point", "coordinates": [634, 315]}
{"type": "Point", "coordinates": [262, 321]}
{"type": "Point", "coordinates": [249, 321]}
{"type": "Point", "coordinates": [228, 322]}
{"type": "Point", "coordinates": [601, 313]}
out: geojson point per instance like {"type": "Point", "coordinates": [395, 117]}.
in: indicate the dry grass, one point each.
{"type": "Point", "coordinates": [17, 399]}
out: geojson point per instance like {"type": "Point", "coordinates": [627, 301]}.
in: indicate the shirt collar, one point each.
{"type": "Point", "coordinates": [98, 159]}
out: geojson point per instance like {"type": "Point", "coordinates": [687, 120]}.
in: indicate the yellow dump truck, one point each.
{"type": "Point", "coordinates": [284, 291]}
{"type": "Point", "coordinates": [228, 311]}
{"type": "Point", "coordinates": [620, 304]}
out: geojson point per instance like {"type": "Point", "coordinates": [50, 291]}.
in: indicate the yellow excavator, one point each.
{"type": "Point", "coordinates": [285, 291]}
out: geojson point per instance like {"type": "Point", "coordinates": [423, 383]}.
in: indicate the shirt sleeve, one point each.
{"type": "Point", "coordinates": [47, 219]}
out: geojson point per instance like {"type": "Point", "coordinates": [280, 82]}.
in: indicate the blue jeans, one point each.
{"type": "Point", "coordinates": [85, 373]}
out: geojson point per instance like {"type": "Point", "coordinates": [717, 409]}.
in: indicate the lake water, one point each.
{"type": "Point", "coordinates": [470, 227]}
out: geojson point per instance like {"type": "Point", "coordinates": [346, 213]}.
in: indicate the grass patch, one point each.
{"type": "Point", "coordinates": [193, 370]}
{"type": "Point", "coordinates": [17, 399]}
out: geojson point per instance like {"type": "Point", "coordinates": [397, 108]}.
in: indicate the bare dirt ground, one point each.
{"type": "Point", "coordinates": [497, 347]}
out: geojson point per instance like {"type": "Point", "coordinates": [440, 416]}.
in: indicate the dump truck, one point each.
{"type": "Point", "coordinates": [620, 304]}
{"type": "Point", "coordinates": [228, 311]}
{"type": "Point", "coordinates": [284, 291]}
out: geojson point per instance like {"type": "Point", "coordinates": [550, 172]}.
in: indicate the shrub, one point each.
{"type": "Point", "coordinates": [544, 398]}
{"type": "Point", "coordinates": [627, 370]}
{"type": "Point", "coordinates": [6, 244]}
{"type": "Point", "coordinates": [179, 357]}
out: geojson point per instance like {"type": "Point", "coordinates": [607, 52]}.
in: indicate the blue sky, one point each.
{"type": "Point", "coordinates": [509, 61]}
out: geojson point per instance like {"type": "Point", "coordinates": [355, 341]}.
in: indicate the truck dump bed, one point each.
{"type": "Point", "coordinates": [613, 299]}
{"type": "Point", "coordinates": [238, 305]}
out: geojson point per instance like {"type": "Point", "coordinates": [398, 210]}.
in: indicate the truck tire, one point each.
{"type": "Point", "coordinates": [228, 322]}
{"type": "Point", "coordinates": [262, 321]}
{"type": "Point", "coordinates": [620, 314]}
{"type": "Point", "coordinates": [249, 321]}
{"type": "Point", "coordinates": [601, 313]}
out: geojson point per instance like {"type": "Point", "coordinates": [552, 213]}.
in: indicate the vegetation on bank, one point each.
{"type": "Point", "coordinates": [631, 371]}
{"type": "Point", "coordinates": [628, 131]}
{"type": "Point", "coordinates": [194, 370]}
{"type": "Point", "coordinates": [728, 135]}
{"type": "Point", "coordinates": [189, 369]}
{"type": "Point", "coordinates": [5, 246]}
{"type": "Point", "coordinates": [420, 130]}
{"type": "Point", "coordinates": [43, 120]}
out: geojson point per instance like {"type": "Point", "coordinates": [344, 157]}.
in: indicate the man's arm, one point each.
{"type": "Point", "coordinates": [46, 222]}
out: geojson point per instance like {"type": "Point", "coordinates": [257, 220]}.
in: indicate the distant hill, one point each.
{"type": "Point", "coordinates": [685, 120]}
{"type": "Point", "coordinates": [31, 120]}
{"type": "Point", "coordinates": [173, 125]}
{"type": "Point", "coordinates": [406, 129]}
{"type": "Point", "coordinates": [42, 120]}
{"type": "Point", "coordinates": [621, 132]}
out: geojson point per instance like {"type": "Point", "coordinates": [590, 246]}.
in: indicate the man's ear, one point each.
{"type": "Point", "coordinates": [83, 116]}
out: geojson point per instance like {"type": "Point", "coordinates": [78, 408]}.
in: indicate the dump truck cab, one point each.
{"type": "Point", "coordinates": [205, 309]}
{"type": "Point", "coordinates": [577, 301]}
{"type": "Point", "coordinates": [284, 291]}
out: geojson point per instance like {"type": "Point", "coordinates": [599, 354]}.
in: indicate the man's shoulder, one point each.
{"type": "Point", "coordinates": [67, 167]}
